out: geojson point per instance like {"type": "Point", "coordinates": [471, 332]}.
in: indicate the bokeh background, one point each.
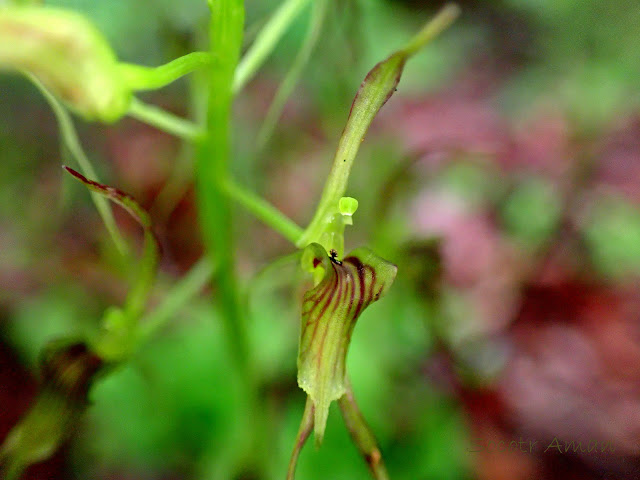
{"type": "Point", "coordinates": [503, 178]}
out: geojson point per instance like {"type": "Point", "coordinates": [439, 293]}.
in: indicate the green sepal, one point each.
{"type": "Point", "coordinates": [329, 314]}
{"type": "Point", "coordinates": [327, 225]}
{"type": "Point", "coordinates": [121, 324]}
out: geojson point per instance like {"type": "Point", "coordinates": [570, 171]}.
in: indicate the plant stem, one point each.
{"type": "Point", "coordinates": [212, 165]}
{"type": "Point", "coordinates": [266, 41]}
{"type": "Point", "coordinates": [306, 426]}
{"type": "Point", "coordinates": [264, 211]}
{"type": "Point", "coordinates": [361, 435]}
{"type": "Point", "coordinates": [182, 293]}
{"type": "Point", "coordinates": [139, 77]}
{"type": "Point", "coordinates": [165, 121]}
{"type": "Point", "coordinates": [70, 138]}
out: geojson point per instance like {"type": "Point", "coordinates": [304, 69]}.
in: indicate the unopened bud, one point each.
{"type": "Point", "coordinates": [68, 55]}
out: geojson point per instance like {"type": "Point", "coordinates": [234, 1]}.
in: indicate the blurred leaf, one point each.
{"type": "Point", "coordinates": [433, 443]}
{"type": "Point", "coordinates": [612, 234]}
{"type": "Point", "coordinates": [583, 59]}
{"type": "Point", "coordinates": [59, 312]}
{"type": "Point", "coordinates": [179, 399]}
{"type": "Point", "coordinates": [475, 182]}
{"type": "Point", "coordinates": [531, 212]}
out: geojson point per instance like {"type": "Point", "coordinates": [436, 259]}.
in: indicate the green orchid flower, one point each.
{"type": "Point", "coordinates": [329, 314]}
{"type": "Point", "coordinates": [345, 287]}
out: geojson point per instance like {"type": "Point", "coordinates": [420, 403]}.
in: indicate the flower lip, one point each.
{"type": "Point", "coordinates": [329, 314]}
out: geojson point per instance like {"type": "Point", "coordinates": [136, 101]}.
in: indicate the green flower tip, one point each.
{"type": "Point", "coordinates": [68, 55]}
{"type": "Point", "coordinates": [329, 314]}
{"type": "Point", "coordinates": [347, 207]}
{"type": "Point", "coordinates": [123, 199]}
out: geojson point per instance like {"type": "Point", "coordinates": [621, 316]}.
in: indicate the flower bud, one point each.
{"type": "Point", "coordinates": [68, 55]}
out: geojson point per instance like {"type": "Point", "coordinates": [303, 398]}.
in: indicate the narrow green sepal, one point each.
{"type": "Point", "coordinates": [329, 314]}
{"type": "Point", "coordinates": [147, 267]}
{"type": "Point", "coordinates": [327, 225]}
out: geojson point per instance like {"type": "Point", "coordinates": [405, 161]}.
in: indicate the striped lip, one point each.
{"type": "Point", "coordinates": [329, 314]}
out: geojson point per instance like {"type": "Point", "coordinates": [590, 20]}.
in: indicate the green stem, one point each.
{"type": "Point", "coordinates": [306, 426]}
{"type": "Point", "coordinates": [181, 294]}
{"type": "Point", "coordinates": [264, 211]}
{"type": "Point", "coordinates": [290, 80]}
{"type": "Point", "coordinates": [139, 77]}
{"type": "Point", "coordinates": [216, 213]}
{"type": "Point", "coordinates": [266, 41]}
{"type": "Point", "coordinates": [70, 138]}
{"type": "Point", "coordinates": [362, 435]}
{"type": "Point", "coordinates": [212, 167]}
{"type": "Point", "coordinates": [165, 121]}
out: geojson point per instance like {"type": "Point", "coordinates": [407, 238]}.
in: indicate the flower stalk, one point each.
{"type": "Point", "coordinates": [361, 434]}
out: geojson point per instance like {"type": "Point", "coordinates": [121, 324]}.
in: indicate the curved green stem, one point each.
{"type": "Point", "coordinates": [139, 77]}
{"type": "Point", "coordinates": [266, 41]}
{"type": "Point", "coordinates": [181, 294]}
{"type": "Point", "coordinates": [70, 138]}
{"type": "Point", "coordinates": [165, 121]}
{"type": "Point", "coordinates": [146, 270]}
{"type": "Point", "coordinates": [264, 211]}
{"type": "Point", "coordinates": [120, 326]}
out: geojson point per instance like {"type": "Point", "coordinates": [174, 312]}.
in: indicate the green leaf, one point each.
{"type": "Point", "coordinates": [532, 212]}
{"type": "Point", "coordinates": [329, 314]}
